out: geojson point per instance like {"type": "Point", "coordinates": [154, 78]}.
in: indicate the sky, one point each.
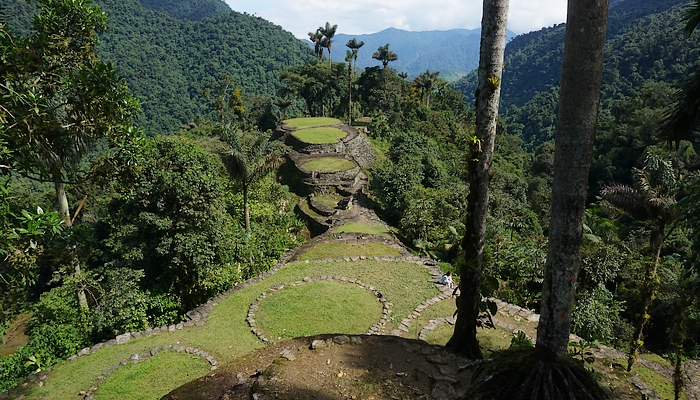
{"type": "Point", "coordinates": [355, 17]}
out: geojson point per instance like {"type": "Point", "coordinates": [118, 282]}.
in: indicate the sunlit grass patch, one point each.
{"type": "Point", "coordinates": [329, 200]}
{"type": "Point", "coordinates": [337, 250]}
{"type": "Point", "coordinates": [362, 227]}
{"type": "Point", "coordinates": [152, 378]}
{"type": "Point", "coordinates": [319, 135]}
{"type": "Point", "coordinates": [317, 307]}
{"type": "Point", "coordinates": [328, 164]}
{"type": "Point", "coordinates": [311, 122]}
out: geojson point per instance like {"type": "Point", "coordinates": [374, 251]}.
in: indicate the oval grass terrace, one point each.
{"type": "Point", "coordinates": [328, 164]}
{"type": "Point", "coordinates": [319, 135]}
{"type": "Point", "coordinates": [310, 122]}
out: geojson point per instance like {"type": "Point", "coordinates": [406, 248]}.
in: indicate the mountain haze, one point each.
{"type": "Point", "coordinates": [453, 52]}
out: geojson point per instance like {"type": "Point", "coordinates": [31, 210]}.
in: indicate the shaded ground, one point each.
{"type": "Point", "coordinates": [355, 367]}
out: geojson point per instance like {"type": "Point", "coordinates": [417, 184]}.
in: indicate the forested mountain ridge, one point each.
{"type": "Point", "coordinates": [168, 51]}
{"type": "Point", "coordinates": [190, 10]}
{"type": "Point", "coordinates": [645, 43]}
{"type": "Point", "coordinates": [453, 52]}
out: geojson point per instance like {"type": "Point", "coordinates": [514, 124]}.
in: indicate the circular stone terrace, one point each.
{"type": "Point", "coordinates": [327, 164]}
{"type": "Point", "coordinates": [312, 122]}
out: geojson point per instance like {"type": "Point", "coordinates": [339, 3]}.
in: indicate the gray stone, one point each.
{"type": "Point", "coordinates": [72, 358]}
{"type": "Point", "coordinates": [447, 370]}
{"type": "Point", "coordinates": [134, 358]}
{"type": "Point", "coordinates": [179, 326]}
{"type": "Point", "coordinates": [287, 354]}
{"type": "Point", "coordinates": [355, 340]}
{"type": "Point", "coordinates": [445, 379]}
{"type": "Point", "coordinates": [437, 359]}
{"type": "Point", "coordinates": [342, 339]}
{"type": "Point", "coordinates": [136, 335]}
{"type": "Point", "coordinates": [154, 351]}
{"type": "Point", "coordinates": [443, 391]}
{"type": "Point", "coordinates": [96, 347]}
{"type": "Point", "coordinates": [84, 352]}
{"type": "Point", "coordinates": [121, 339]}
{"type": "Point", "coordinates": [318, 344]}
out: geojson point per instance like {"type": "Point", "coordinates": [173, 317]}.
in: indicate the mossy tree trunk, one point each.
{"type": "Point", "coordinates": [575, 133]}
{"type": "Point", "coordinates": [493, 43]}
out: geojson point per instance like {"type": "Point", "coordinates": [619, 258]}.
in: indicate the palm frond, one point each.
{"type": "Point", "coordinates": [627, 199]}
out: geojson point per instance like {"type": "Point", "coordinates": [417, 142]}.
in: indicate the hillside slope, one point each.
{"type": "Point", "coordinates": [168, 50]}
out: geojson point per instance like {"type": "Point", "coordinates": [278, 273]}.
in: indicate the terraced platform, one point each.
{"type": "Point", "coordinates": [395, 307]}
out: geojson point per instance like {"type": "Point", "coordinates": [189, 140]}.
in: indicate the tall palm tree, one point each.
{"type": "Point", "coordinates": [493, 44]}
{"type": "Point", "coordinates": [316, 38]}
{"type": "Point", "coordinates": [650, 199]}
{"type": "Point", "coordinates": [427, 82]}
{"type": "Point", "coordinates": [354, 46]}
{"type": "Point", "coordinates": [328, 33]}
{"type": "Point", "coordinates": [385, 55]}
{"type": "Point", "coordinates": [251, 157]}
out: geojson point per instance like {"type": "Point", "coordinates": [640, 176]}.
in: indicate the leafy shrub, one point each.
{"type": "Point", "coordinates": [596, 316]}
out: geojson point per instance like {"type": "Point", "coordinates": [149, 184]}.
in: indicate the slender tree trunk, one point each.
{"type": "Point", "coordinates": [576, 127]}
{"type": "Point", "coordinates": [64, 212]}
{"type": "Point", "coordinates": [350, 95]}
{"type": "Point", "coordinates": [493, 42]}
{"type": "Point", "coordinates": [246, 213]}
{"type": "Point", "coordinates": [648, 294]}
{"type": "Point", "coordinates": [63, 209]}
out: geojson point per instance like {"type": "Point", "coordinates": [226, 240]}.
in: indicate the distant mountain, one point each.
{"type": "Point", "coordinates": [453, 52]}
{"type": "Point", "coordinates": [645, 42]}
{"type": "Point", "coordinates": [167, 50]}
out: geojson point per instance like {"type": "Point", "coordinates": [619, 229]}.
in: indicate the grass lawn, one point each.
{"type": "Point", "coordinates": [361, 227]}
{"type": "Point", "coordinates": [226, 334]}
{"type": "Point", "coordinates": [319, 135]}
{"type": "Point", "coordinates": [328, 164]}
{"type": "Point", "coordinates": [329, 200]}
{"type": "Point", "coordinates": [335, 250]}
{"type": "Point", "coordinates": [326, 307]}
{"type": "Point", "coordinates": [311, 122]}
{"type": "Point", "coordinates": [165, 371]}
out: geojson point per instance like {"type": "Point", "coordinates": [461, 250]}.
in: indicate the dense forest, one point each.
{"type": "Point", "coordinates": [170, 52]}
{"type": "Point", "coordinates": [150, 219]}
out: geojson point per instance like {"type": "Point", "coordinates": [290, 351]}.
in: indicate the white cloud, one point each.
{"type": "Point", "coordinates": [365, 16]}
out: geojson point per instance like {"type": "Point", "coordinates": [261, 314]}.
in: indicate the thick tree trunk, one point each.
{"type": "Point", "coordinates": [493, 42]}
{"type": "Point", "coordinates": [576, 127]}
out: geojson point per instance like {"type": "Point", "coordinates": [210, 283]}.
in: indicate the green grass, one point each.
{"type": "Point", "coordinates": [361, 227]}
{"type": "Point", "coordinates": [321, 135]}
{"type": "Point", "coordinates": [329, 200]}
{"type": "Point", "coordinates": [308, 210]}
{"type": "Point", "coordinates": [328, 164]}
{"type": "Point", "coordinates": [337, 250]}
{"type": "Point", "coordinates": [662, 386]}
{"type": "Point", "coordinates": [226, 334]}
{"type": "Point", "coordinates": [317, 307]}
{"type": "Point", "coordinates": [164, 372]}
{"type": "Point", "coordinates": [311, 122]}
